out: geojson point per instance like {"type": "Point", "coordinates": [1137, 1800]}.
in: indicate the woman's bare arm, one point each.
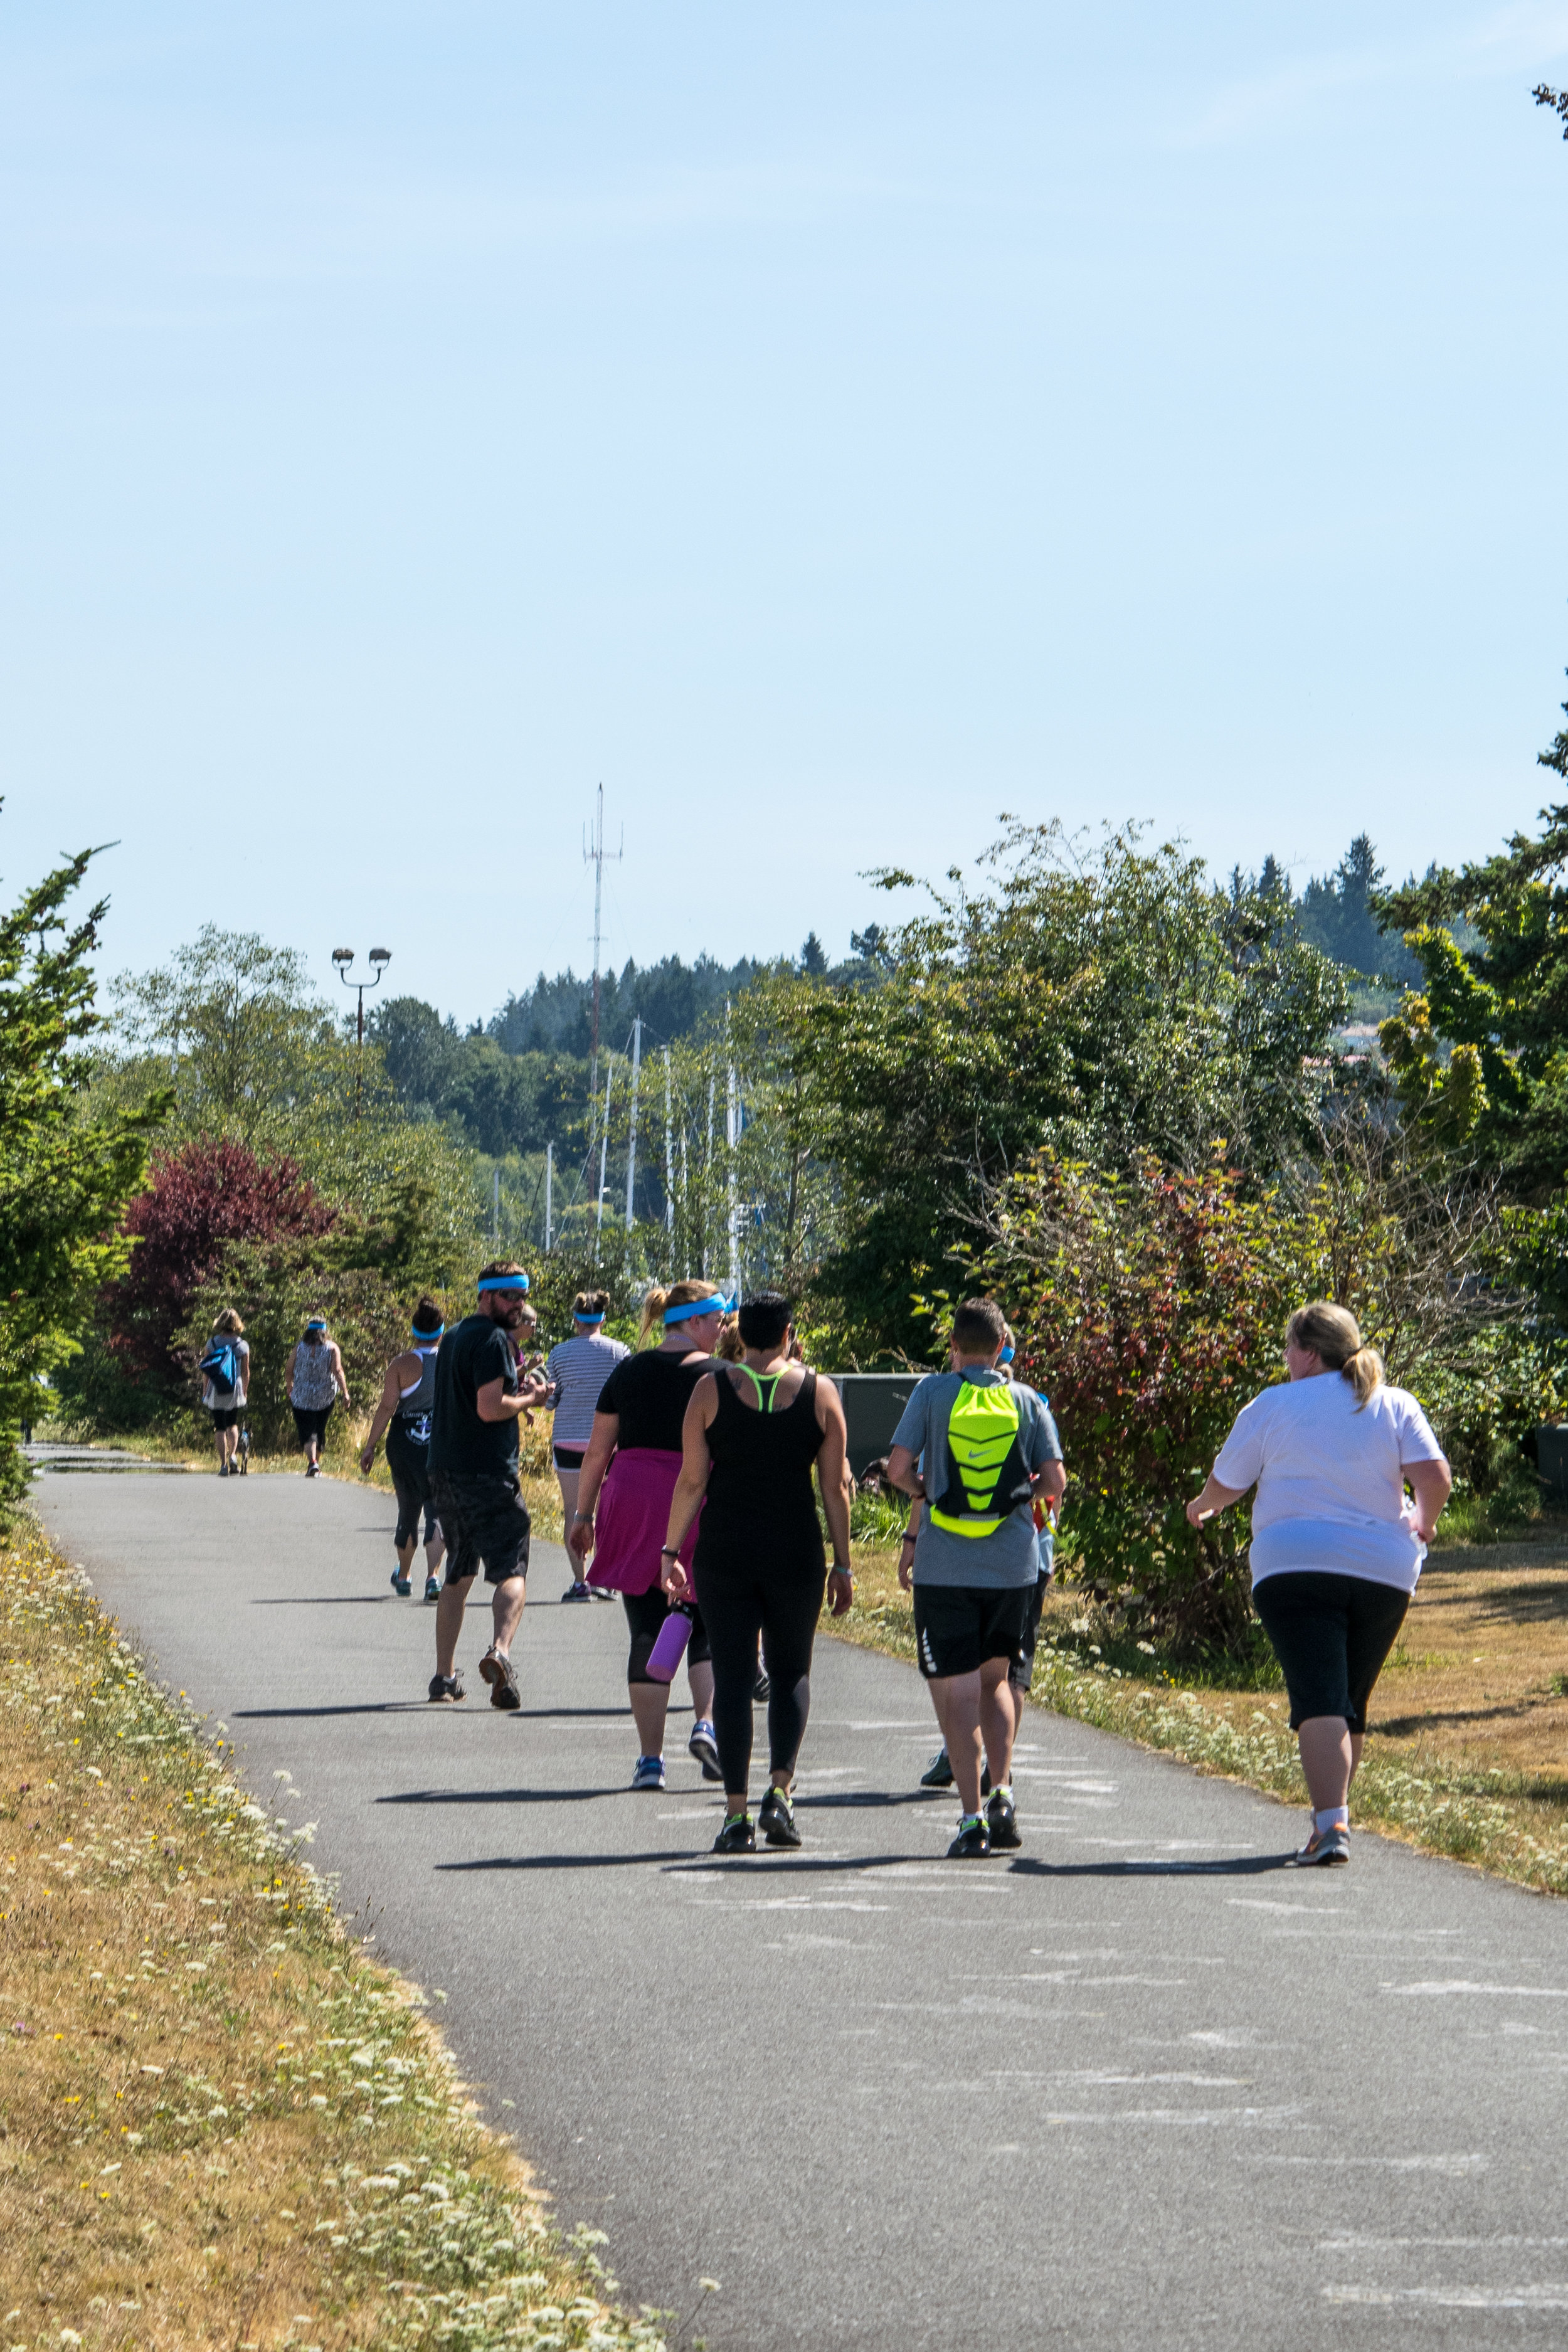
{"type": "Point", "coordinates": [696, 1463]}
{"type": "Point", "coordinates": [590, 1478]}
{"type": "Point", "coordinates": [1431, 1483]}
{"type": "Point", "coordinates": [1215, 1497]}
{"type": "Point", "coordinates": [386, 1405]}
{"type": "Point", "coordinates": [832, 1479]}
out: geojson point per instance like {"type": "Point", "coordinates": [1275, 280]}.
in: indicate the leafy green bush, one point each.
{"type": "Point", "coordinates": [1149, 1308]}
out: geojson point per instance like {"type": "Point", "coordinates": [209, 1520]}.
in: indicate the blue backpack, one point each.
{"type": "Point", "coordinates": [221, 1366]}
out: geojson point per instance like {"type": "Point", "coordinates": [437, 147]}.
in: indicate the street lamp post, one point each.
{"type": "Point", "coordinates": [379, 959]}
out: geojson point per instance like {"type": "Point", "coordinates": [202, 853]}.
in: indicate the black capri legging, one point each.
{"type": "Point", "coordinates": [645, 1613]}
{"type": "Point", "coordinates": [410, 1466]}
{"type": "Point", "coordinates": [783, 1605]}
{"type": "Point", "coordinates": [311, 1421]}
{"type": "Point", "coordinates": [1330, 1635]}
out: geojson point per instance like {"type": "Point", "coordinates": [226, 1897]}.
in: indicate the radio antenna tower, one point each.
{"type": "Point", "coordinates": [595, 855]}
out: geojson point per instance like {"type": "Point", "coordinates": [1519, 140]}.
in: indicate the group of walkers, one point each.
{"type": "Point", "coordinates": [687, 1472]}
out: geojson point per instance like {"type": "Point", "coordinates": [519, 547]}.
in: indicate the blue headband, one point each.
{"type": "Point", "coordinates": [587, 1319]}
{"type": "Point", "coordinates": [696, 1307]}
{"type": "Point", "coordinates": [1006, 1357]}
{"type": "Point", "coordinates": [503, 1282]}
{"type": "Point", "coordinates": [317, 1323]}
{"type": "Point", "coordinates": [430, 1337]}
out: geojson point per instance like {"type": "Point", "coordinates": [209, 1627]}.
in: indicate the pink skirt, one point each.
{"type": "Point", "coordinates": [633, 1519]}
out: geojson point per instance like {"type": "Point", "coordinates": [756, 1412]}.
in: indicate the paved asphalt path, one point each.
{"type": "Point", "coordinates": [1141, 2085]}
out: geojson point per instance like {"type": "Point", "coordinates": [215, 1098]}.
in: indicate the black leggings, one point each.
{"type": "Point", "coordinates": [1330, 1635]}
{"type": "Point", "coordinates": [782, 1606]}
{"type": "Point", "coordinates": [646, 1614]}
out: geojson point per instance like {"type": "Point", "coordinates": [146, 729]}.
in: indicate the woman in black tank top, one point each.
{"type": "Point", "coordinates": [753, 1434]}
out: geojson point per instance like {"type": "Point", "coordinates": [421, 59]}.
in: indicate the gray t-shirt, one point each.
{"type": "Point", "coordinates": [994, 1563]}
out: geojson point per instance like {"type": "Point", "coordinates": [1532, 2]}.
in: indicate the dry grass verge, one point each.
{"type": "Point", "coordinates": [1468, 1751]}
{"type": "Point", "coordinates": [221, 2124]}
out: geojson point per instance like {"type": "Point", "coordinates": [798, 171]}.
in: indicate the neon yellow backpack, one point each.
{"type": "Point", "coordinates": [986, 1474]}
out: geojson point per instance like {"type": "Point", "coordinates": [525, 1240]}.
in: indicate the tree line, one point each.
{"type": "Point", "coordinates": [1092, 1076]}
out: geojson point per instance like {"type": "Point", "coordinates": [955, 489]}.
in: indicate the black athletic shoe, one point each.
{"type": "Point", "coordinates": [501, 1676]}
{"type": "Point", "coordinates": [578, 1592]}
{"type": "Point", "coordinates": [973, 1840]}
{"type": "Point", "coordinates": [739, 1836]}
{"type": "Point", "coordinates": [938, 1773]}
{"type": "Point", "coordinates": [446, 1687]}
{"type": "Point", "coordinates": [1002, 1820]}
{"type": "Point", "coordinates": [762, 1689]}
{"type": "Point", "coordinates": [775, 1818]}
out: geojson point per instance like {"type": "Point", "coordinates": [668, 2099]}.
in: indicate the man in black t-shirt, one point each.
{"type": "Point", "coordinates": [473, 1473]}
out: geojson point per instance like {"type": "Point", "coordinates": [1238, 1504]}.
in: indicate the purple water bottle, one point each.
{"type": "Point", "coordinates": [671, 1646]}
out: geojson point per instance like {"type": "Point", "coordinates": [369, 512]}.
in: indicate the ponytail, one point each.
{"type": "Point", "coordinates": [657, 1304]}
{"type": "Point", "coordinates": [1333, 1334]}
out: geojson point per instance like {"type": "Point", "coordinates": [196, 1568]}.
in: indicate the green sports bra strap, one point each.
{"type": "Point", "coordinates": [759, 1380]}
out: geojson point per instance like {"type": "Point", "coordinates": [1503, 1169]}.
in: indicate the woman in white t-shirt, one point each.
{"type": "Point", "coordinates": [1336, 1546]}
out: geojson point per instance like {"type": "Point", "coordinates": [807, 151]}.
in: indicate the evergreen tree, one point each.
{"type": "Point", "coordinates": [64, 1179]}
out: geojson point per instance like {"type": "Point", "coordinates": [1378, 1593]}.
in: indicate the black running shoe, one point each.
{"type": "Point", "coordinates": [501, 1676]}
{"type": "Point", "coordinates": [762, 1689]}
{"type": "Point", "coordinates": [775, 1818]}
{"type": "Point", "coordinates": [578, 1592]}
{"type": "Point", "coordinates": [973, 1840]}
{"type": "Point", "coordinates": [446, 1687]}
{"type": "Point", "coordinates": [938, 1773]}
{"type": "Point", "coordinates": [739, 1836]}
{"type": "Point", "coordinates": [1002, 1820]}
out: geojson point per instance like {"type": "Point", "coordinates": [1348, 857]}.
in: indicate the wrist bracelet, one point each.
{"type": "Point", "coordinates": [669, 1551]}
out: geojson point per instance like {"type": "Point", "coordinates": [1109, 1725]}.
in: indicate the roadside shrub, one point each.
{"type": "Point", "coordinates": [1148, 1308]}
{"type": "Point", "coordinates": [202, 1199]}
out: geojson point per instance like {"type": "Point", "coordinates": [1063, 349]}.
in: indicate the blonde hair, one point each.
{"type": "Point", "coordinates": [730, 1348]}
{"type": "Point", "coordinates": [1332, 1333]}
{"type": "Point", "coordinates": [657, 1303]}
{"type": "Point", "coordinates": [229, 1321]}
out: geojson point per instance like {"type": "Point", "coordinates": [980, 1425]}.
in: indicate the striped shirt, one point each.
{"type": "Point", "coordinates": [576, 1371]}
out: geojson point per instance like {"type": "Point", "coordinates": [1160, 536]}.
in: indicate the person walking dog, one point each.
{"type": "Point", "coordinates": [480, 1396]}
{"type": "Point", "coordinates": [1336, 1546]}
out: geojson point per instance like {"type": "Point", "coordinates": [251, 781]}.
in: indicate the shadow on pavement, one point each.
{"type": "Point", "coordinates": [512, 1796]}
{"type": "Point", "coordinates": [1241, 1866]}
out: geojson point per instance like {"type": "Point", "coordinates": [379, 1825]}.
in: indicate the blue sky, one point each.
{"type": "Point", "coordinates": [829, 425]}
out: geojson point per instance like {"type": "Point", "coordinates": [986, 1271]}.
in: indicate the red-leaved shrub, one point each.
{"type": "Point", "coordinates": [201, 1199]}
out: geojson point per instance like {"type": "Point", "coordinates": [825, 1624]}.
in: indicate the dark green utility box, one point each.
{"type": "Point", "coordinates": [873, 1404]}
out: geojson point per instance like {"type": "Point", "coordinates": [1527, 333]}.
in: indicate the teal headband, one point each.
{"type": "Point", "coordinates": [317, 1323]}
{"type": "Point", "coordinates": [430, 1337]}
{"type": "Point", "coordinates": [694, 1307]}
{"type": "Point", "coordinates": [587, 1319]}
{"type": "Point", "coordinates": [503, 1282]}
